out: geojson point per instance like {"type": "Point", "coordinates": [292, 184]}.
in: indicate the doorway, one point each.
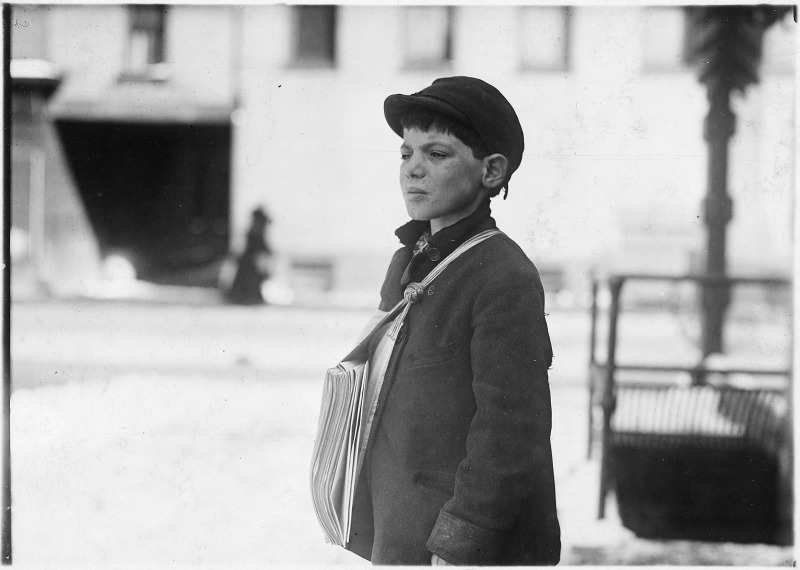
{"type": "Point", "coordinates": [157, 194]}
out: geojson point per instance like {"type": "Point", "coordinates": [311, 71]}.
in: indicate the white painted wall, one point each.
{"type": "Point", "coordinates": [615, 164]}
{"type": "Point", "coordinates": [614, 168]}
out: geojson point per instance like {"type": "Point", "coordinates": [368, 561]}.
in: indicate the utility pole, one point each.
{"type": "Point", "coordinates": [724, 43]}
{"type": "Point", "coordinates": [720, 126]}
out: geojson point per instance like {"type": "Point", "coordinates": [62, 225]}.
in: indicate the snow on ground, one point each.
{"type": "Point", "coordinates": [150, 470]}
{"type": "Point", "coordinates": [167, 435]}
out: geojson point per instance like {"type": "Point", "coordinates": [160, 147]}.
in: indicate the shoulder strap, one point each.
{"type": "Point", "coordinates": [414, 292]}
{"type": "Point", "coordinates": [470, 243]}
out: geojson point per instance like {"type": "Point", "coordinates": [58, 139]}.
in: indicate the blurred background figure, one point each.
{"type": "Point", "coordinates": [252, 266]}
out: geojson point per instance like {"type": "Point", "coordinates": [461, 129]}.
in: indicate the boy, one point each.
{"type": "Point", "coordinates": [458, 468]}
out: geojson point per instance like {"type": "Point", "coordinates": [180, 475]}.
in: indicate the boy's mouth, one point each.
{"type": "Point", "coordinates": [415, 195]}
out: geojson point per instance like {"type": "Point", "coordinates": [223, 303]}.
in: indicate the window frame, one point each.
{"type": "Point", "coordinates": [156, 69]}
{"type": "Point", "coordinates": [428, 64]}
{"type": "Point", "coordinates": [682, 63]}
{"type": "Point", "coordinates": [298, 59]}
{"type": "Point", "coordinates": [565, 63]}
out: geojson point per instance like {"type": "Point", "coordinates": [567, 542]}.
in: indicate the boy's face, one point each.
{"type": "Point", "coordinates": [441, 180]}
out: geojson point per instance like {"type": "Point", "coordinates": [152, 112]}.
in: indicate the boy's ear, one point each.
{"type": "Point", "coordinates": [495, 167]}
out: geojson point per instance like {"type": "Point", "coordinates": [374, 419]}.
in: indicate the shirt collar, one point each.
{"type": "Point", "coordinates": [446, 239]}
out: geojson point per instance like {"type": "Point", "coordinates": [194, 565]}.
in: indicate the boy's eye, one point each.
{"type": "Point", "coordinates": [436, 154]}
{"type": "Point", "coordinates": [405, 155]}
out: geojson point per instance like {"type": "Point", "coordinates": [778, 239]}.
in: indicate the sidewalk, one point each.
{"type": "Point", "coordinates": [180, 434]}
{"type": "Point", "coordinates": [161, 469]}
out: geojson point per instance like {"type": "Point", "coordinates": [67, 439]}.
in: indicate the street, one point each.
{"type": "Point", "coordinates": [181, 434]}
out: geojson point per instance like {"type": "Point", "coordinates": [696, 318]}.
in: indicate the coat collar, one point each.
{"type": "Point", "coordinates": [449, 238]}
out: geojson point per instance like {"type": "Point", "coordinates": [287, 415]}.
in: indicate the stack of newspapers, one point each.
{"type": "Point", "coordinates": [335, 457]}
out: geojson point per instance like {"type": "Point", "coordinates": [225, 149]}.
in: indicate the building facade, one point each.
{"type": "Point", "coordinates": [170, 124]}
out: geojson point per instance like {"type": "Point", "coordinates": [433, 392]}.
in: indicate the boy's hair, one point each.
{"type": "Point", "coordinates": [426, 120]}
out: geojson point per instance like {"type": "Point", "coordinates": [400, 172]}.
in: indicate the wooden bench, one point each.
{"type": "Point", "coordinates": [688, 458]}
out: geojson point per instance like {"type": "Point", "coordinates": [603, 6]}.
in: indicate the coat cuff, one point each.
{"type": "Point", "coordinates": [462, 543]}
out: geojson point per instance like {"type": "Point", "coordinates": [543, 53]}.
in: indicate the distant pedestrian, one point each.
{"type": "Point", "coordinates": [252, 267]}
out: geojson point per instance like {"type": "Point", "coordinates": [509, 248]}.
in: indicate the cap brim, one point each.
{"type": "Point", "coordinates": [395, 106]}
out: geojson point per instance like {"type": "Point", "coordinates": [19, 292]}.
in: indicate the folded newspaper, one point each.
{"type": "Point", "coordinates": [335, 458]}
{"type": "Point", "coordinates": [340, 434]}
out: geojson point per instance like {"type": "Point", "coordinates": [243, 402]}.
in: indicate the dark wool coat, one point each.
{"type": "Point", "coordinates": [459, 462]}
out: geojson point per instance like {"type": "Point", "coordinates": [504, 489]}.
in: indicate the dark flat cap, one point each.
{"type": "Point", "coordinates": [470, 101]}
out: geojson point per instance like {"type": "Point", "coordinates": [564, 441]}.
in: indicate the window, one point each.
{"type": "Point", "coordinates": [545, 38]}
{"type": "Point", "coordinates": [315, 36]}
{"type": "Point", "coordinates": [428, 36]}
{"type": "Point", "coordinates": [146, 42]}
{"type": "Point", "coordinates": [664, 32]}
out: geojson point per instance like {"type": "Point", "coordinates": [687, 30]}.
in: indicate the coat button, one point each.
{"type": "Point", "coordinates": [434, 254]}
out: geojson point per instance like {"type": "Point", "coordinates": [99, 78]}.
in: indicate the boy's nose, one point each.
{"type": "Point", "coordinates": [413, 168]}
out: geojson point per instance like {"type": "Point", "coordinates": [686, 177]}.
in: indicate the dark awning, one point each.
{"type": "Point", "coordinates": [134, 104]}
{"type": "Point", "coordinates": [34, 75]}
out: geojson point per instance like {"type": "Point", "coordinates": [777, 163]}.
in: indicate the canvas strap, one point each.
{"type": "Point", "coordinates": [412, 294]}
{"type": "Point", "coordinates": [379, 359]}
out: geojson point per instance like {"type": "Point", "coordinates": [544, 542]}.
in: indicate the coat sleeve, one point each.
{"type": "Point", "coordinates": [508, 443]}
{"type": "Point", "coordinates": [391, 291]}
